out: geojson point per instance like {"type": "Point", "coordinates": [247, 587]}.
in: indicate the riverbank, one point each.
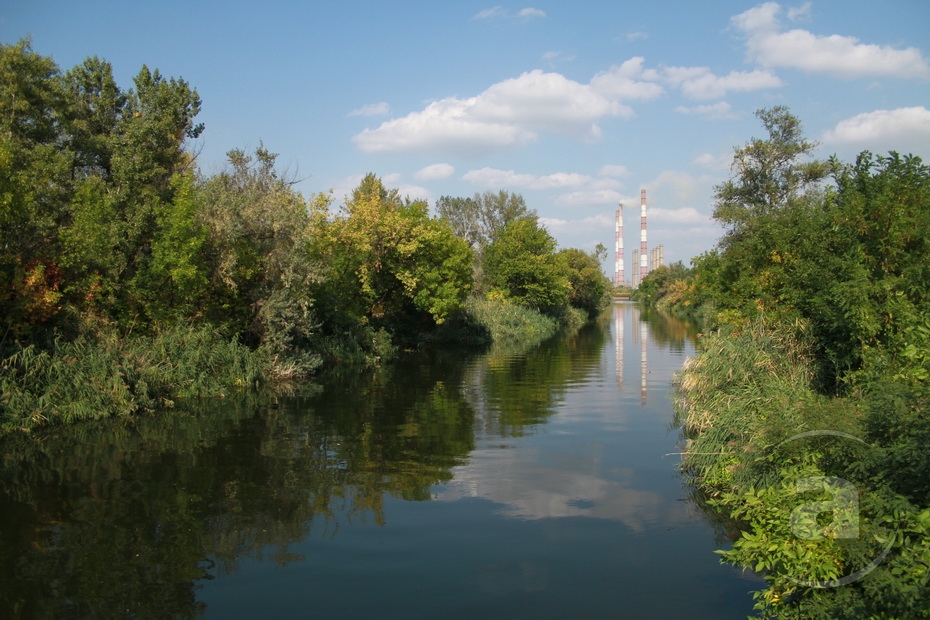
{"type": "Point", "coordinates": [107, 373]}
{"type": "Point", "coordinates": [830, 495]}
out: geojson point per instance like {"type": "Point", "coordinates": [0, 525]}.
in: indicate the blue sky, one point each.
{"type": "Point", "coordinates": [575, 105]}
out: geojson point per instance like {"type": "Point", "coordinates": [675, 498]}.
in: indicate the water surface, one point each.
{"type": "Point", "coordinates": [511, 484]}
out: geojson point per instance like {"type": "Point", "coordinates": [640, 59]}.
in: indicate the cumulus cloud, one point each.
{"type": "Point", "coordinates": [702, 83]}
{"type": "Point", "coordinates": [372, 109]}
{"type": "Point", "coordinates": [903, 130]}
{"type": "Point", "coordinates": [509, 114]}
{"type": "Point", "coordinates": [434, 172]}
{"type": "Point", "coordinates": [446, 126]}
{"type": "Point", "coordinates": [517, 111]}
{"type": "Point", "coordinates": [769, 46]}
{"type": "Point", "coordinates": [628, 81]}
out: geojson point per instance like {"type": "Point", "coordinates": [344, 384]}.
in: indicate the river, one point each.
{"type": "Point", "coordinates": [508, 484]}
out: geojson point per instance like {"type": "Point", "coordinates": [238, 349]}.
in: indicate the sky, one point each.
{"type": "Point", "coordinates": [577, 105]}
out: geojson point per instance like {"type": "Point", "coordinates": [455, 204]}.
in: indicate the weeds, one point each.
{"type": "Point", "coordinates": [106, 374]}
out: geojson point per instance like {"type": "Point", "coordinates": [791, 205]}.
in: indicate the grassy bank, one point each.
{"type": "Point", "coordinates": [111, 374]}
{"type": "Point", "coordinates": [106, 373]}
{"type": "Point", "coordinates": [830, 495]}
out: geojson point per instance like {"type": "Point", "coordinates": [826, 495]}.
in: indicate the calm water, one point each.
{"type": "Point", "coordinates": [539, 484]}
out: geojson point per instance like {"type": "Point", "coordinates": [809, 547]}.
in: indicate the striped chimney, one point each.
{"type": "Point", "coordinates": [643, 256]}
{"type": "Point", "coordinates": [618, 276]}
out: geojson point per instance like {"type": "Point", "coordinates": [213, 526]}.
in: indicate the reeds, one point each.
{"type": "Point", "coordinates": [109, 374]}
{"type": "Point", "coordinates": [509, 322]}
{"type": "Point", "coordinates": [745, 391]}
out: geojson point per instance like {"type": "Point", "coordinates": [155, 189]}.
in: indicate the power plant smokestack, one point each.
{"type": "Point", "coordinates": [619, 276]}
{"type": "Point", "coordinates": [643, 256]}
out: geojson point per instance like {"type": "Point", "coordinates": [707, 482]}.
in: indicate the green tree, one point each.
{"type": "Point", "coordinates": [590, 288]}
{"type": "Point", "coordinates": [96, 106]}
{"type": "Point", "coordinates": [522, 264]}
{"type": "Point", "coordinates": [129, 149]}
{"type": "Point", "coordinates": [390, 265]}
{"type": "Point", "coordinates": [34, 186]}
{"type": "Point", "coordinates": [875, 308]}
{"type": "Point", "coordinates": [262, 275]}
{"type": "Point", "coordinates": [768, 174]}
{"type": "Point", "coordinates": [481, 219]}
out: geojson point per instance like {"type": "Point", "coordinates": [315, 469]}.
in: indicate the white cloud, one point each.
{"type": "Point", "coordinates": [628, 81]}
{"type": "Point", "coordinates": [494, 11]}
{"type": "Point", "coordinates": [492, 177]}
{"type": "Point", "coordinates": [508, 114]}
{"type": "Point", "coordinates": [720, 109]}
{"type": "Point", "coordinates": [636, 36]}
{"type": "Point", "coordinates": [589, 197]}
{"type": "Point", "coordinates": [434, 172]}
{"type": "Point", "coordinates": [837, 55]}
{"type": "Point", "coordinates": [499, 12]}
{"type": "Point", "coordinates": [903, 130]}
{"type": "Point", "coordinates": [595, 223]}
{"type": "Point", "coordinates": [446, 126]}
{"type": "Point", "coordinates": [372, 109]}
{"type": "Point", "coordinates": [701, 83]}
{"type": "Point", "coordinates": [530, 12]}
{"type": "Point", "coordinates": [799, 13]}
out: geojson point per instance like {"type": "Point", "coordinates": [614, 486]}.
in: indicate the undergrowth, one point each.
{"type": "Point", "coordinates": [807, 478]}
{"type": "Point", "coordinates": [107, 374]}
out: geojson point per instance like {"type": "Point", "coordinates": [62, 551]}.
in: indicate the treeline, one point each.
{"type": "Point", "coordinates": [807, 411]}
{"type": "Point", "coordinates": [129, 278]}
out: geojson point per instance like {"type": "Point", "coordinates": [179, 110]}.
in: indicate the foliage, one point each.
{"type": "Point", "coordinates": [481, 219]}
{"type": "Point", "coordinates": [390, 265]}
{"type": "Point", "coordinates": [112, 374]}
{"type": "Point", "coordinates": [590, 288]}
{"type": "Point", "coordinates": [262, 275]}
{"type": "Point", "coordinates": [768, 174]}
{"type": "Point", "coordinates": [34, 183]}
{"type": "Point", "coordinates": [522, 264]}
{"type": "Point", "coordinates": [746, 405]}
{"type": "Point", "coordinates": [819, 296]}
{"type": "Point", "coordinates": [108, 227]}
{"type": "Point", "coordinates": [508, 322]}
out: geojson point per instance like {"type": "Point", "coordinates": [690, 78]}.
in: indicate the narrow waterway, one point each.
{"type": "Point", "coordinates": [511, 484]}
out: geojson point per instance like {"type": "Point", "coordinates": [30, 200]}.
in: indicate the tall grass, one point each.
{"type": "Point", "coordinates": [508, 322]}
{"type": "Point", "coordinates": [108, 374]}
{"type": "Point", "coordinates": [744, 393]}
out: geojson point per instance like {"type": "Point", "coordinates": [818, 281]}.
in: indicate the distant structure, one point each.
{"type": "Point", "coordinates": [619, 276]}
{"type": "Point", "coordinates": [635, 270]}
{"type": "Point", "coordinates": [657, 256]}
{"type": "Point", "coordinates": [643, 256]}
